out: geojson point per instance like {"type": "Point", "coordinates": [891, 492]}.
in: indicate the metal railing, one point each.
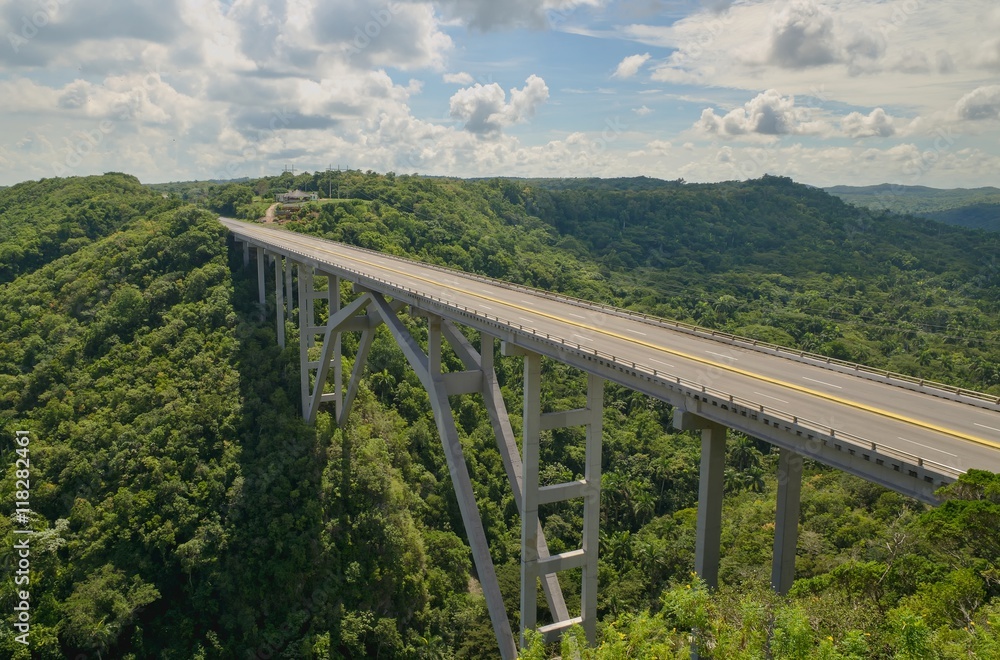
{"type": "Point", "coordinates": [935, 388]}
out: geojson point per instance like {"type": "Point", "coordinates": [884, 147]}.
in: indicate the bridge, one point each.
{"type": "Point", "coordinates": [907, 434]}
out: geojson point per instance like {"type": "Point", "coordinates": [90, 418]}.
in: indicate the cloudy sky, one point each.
{"type": "Point", "coordinates": [825, 91]}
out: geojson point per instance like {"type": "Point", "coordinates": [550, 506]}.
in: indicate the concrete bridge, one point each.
{"type": "Point", "coordinates": [910, 435]}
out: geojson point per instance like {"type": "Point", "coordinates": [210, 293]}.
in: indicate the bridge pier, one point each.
{"type": "Point", "coordinates": [313, 393]}
{"type": "Point", "coordinates": [290, 295]}
{"type": "Point", "coordinates": [710, 491]}
{"type": "Point", "coordinates": [246, 254]}
{"type": "Point", "coordinates": [533, 564]}
{"type": "Point", "coordinates": [482, 361]}
{"type": "Point", "coordinates": [786, 525]}
{"type": "Point", "coordinates": [260, 275]}
{"type": "Point", "coordinates": [279, 298]}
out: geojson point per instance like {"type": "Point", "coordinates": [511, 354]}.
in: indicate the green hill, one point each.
{"type": "Point", "coordinates": [42, 220]}
{"type": "Point", "coordinates": [182, 509]}
{"type": "Point", "coordinates": [977, 208]}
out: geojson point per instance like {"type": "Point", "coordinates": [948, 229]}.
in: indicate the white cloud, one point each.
{"type": "Point", "coordinates": [802, 36]}
{"type": "Point", "coordinates": [486, 15]}
{"type": "Point", "coordinates": [981, 103]}
{"type": "Point", "coordinates": [221, 89]}
{"type": "Point", "coordinates": [630, 66]}
{"type": "Point", "coordinates": [484, 108]}
{"type": "Point", "coordinates": [806, 34]}
{"type": "Point", "coordinates": [769, 113]}
{"type": "Point", "coordinates": [851, 50]}
{"type": "Point", "coordinates": [875, 124]}
{"type": "Point", "coordinates": [461, 78]}
{"type": "Point", "coordinates": [654, 148]}
{"type": "Point", "coordinates": [989, 55]}
{"type": "Point", "coordinates": [370, 33]}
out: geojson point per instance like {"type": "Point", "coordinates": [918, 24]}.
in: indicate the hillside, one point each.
{"type": "Point", "coordinates": [42, 220]}
{"type": "Point", "coordinates": [976, 208]}
{"type": "Point", "coordinates": [183, 510]}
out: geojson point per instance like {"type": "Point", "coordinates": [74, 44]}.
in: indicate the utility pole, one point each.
{"type": "Point", "coordinates": [329, 178]}
{"type": "Point", "coordinates": [339, 180]}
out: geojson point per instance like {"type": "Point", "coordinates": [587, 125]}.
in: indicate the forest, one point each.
{"type": "Point", "coordinates": [183, 509]}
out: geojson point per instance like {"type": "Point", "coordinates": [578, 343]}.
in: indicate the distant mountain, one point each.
{"type": "Point", "coordinates": [594, 183]}
{"type": "Point", "coordinates": [978, 208]}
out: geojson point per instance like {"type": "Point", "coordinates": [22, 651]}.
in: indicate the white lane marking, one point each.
{"type": "Point", "coordinates": [925, 446]}
{"type": "Point", "coordinates": [575, 315]}
{"type": "Point", "coordinates": [635, 332]}
{"type": "Point", "coordinates": [524, 319]}
{"type": "Point", "coordinates": [770, 397]}
{"type": "Point", "coordinates": [485, 306]}
{"type": "Point", "coordinates": [728, 357]}
{"type": "Point", "coordinates": [822, 382]}
{"type": "Point", "coordinates": [583, 338]}
{"type": "Point", "coordinates": [986, 427]}
{"type": "Point", "coordinates": [663, 363]}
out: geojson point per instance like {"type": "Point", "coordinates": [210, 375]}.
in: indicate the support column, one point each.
{"type": "Point", "coordinates": [260, 275]}
{"type": "Point", "coordinates": [307, 305]}
{"type": "Point", "coordinates": [434, 344]}
{"type": "Point", "coordinates": [246, 254]}
{"type": "Point", "coordinates": [592, 506]}
{"type": "Point", "coordinates": [303, 341]}
{"type": "Point", "coordinates": [279, 298]}
{"type": "Point", "coordinates": [333, 292]}
{"type": "Point", "coordinates": [288, 287]}
{"type": "Point", "coordinates": [529, 496]}
{"type": "Point", "coordinates": [482, 361]}
{"type": "Point", "coordinates": [786, 524]}
{"type": "Point", "coordinates": [710, 491]}
{"type": "Point", "coordinates": [536, 562]}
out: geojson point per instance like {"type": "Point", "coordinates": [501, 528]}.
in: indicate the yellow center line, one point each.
{"type": "Point", "coordinates": [767, 379]}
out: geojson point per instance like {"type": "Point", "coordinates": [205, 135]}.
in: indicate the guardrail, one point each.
{"type": "Point", "coordinates": [654, 375]}
{"type": "Point", "coordinates": [934, 388]}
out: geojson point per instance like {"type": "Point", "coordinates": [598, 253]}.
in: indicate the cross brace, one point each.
{"type": "Point", "coordinates": [533, 564]}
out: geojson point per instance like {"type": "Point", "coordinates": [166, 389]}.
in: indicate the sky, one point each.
{"type": "Point", "coordinates": [853, 92]}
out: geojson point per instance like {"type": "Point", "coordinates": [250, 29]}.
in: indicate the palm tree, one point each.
{"type": "Point", "coordinates": [643, 506]}
{"type": "Point", "coordinates": [383, 384]}
{"type": "Point", "coordinates": [744, 454]}
{"type": "Point", "coordinates": [620, 547]}
{"type": "Point", "coordinates": [726, 304]}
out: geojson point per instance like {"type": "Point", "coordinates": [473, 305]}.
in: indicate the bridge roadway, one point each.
{"type": "Point", "coordinates": [949, 437]}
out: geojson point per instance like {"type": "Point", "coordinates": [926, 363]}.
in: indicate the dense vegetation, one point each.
{"type": "Point", "coordinates": [42, 220]}
{"type": "Point", "coordinates": [184, 510]}
{"type": "Point", "coordinates": [977, 208]}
